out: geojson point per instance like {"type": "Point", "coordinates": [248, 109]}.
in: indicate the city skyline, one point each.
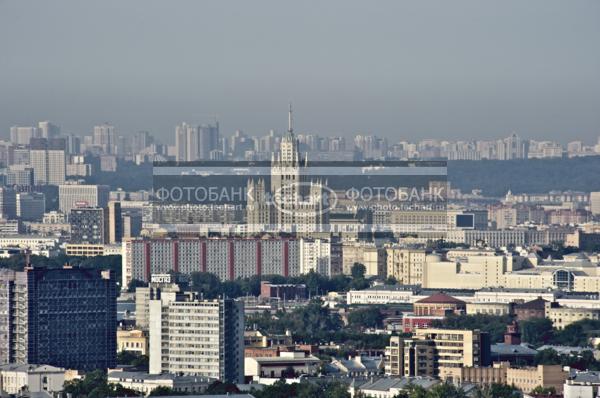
{"type": "Point", "coordinates": [417, 70]}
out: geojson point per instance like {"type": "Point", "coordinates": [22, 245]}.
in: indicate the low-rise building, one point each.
{"type": "Point", "coordinates": [287, 365]}
{"type": "Point", "coordinates": [524, 378]}
{"type": "Point", "coordinates": [146, 383]}
{"type": "Point", "coordinates": [562, 317]}
{"type": "Point", "coordinates": [15, 378]}
{"type": "Point", "coordinates": [132, 341]}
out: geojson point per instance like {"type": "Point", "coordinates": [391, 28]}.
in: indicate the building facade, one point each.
{"type": "Point", "coordinates": [61, 317]}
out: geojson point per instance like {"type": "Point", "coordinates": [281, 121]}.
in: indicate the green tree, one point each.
{"type": "Point", "coordinates": [358, 270]}
{"type": "Point", "coordinates": [536, 331]}
{"type": "Point", "coordinates": [362, 318]}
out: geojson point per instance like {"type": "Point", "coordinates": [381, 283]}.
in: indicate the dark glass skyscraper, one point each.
{"type": "Point", "coordinates": [63, 317]}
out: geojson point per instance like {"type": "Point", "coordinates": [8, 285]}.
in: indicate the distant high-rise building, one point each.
{"type": "Point", "coordinates": [48, 129]}
{"type": "Point", "coordinates": [8, 203]}
{"type": "Point", "coordinates": [22, 135]}
{"type": "Point", "coordinates": [214, 342]}
{"type": "Point", "coordinates": [89, 225]}
{"type": "Point", "coordinates": [47, 158]}
{"type": "Point", "coordinates": [72, 196]}
{"type": "Point", "coordinates": [19, 175]}
{"type": "Point", "coordinates": [105, 137]}
{"type": "Point", "coordinates": [61, 317]}
{"type": "Point", "coordinates": [195, 142]}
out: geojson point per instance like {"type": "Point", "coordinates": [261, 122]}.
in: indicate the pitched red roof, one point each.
{"type": "Point", "coordinates": [440, 298]}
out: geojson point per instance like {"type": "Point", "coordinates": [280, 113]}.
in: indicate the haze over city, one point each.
{"type": "Point", "coordinates": [397, 69]}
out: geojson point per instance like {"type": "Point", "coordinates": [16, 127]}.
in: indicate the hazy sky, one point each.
{"type": "Point", "coordinates": [401, 69]}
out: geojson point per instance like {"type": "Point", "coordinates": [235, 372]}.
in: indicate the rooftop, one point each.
{"type": "Point", "coordinates": [440, 298]}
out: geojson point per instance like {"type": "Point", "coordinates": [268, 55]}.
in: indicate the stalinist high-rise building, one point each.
{"type": "Point", "coordinates": [297, 203]}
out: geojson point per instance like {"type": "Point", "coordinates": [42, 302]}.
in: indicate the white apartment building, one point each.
{"type": "Point", "coordinates": [197, 337]}
{"type": "Point", "coordinates": [315, 255]}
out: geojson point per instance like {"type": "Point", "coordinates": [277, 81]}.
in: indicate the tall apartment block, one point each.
{"type": "Point", "coordinates": [197, 337]}
{"type": "Point", "coordinates": [47, 158]}
{"type": "Point", "coordinates": [228, 258]}
{"type": "Point", "coordinates": [62, 317]}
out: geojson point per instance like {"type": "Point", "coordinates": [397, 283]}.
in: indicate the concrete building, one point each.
{"type": "Point", "coordinates": [89, 225]}
{"type": "Point", "coordinates": [71, 196]}
{"type": "Point", "coordinates": [17, 378]}
{"type": "Point", "coordinates": [30, 206]}
{"type": "Point", "coordinates": [524, 378]}
{"type": "Point", "coordinates": [315, 255]}
{"type": "Point", "coordinates": [431, 349]}
{"type": "Point", "coordinates": [115, 223]}
{"type": "Point", "coordinates": [61, 317]}
{"type": "Point", "coordinates": [19, 175]}
{"type": "Point", "coordinates": [132, 341]}
{"type": "Point", "coordinates": [595, 203]}
{"type": "Point", "coordinates": [197, 337]}
{"type": "Point", "coordinates": [562, 317]}
{"type": "Point", "coordinates": [228, 258]}
{"type": "Point", "coordinates": [8, 203]}
{"type": "Point", "coordinates": [289, 364]}
{"type": "Point", "coordinates": [283, 291]}
{"type": "Point", "coordinates": [47, 158]}
{"type": "Point", "coordinates": [406, 265]}
{"type": "Point", "coordinates": [159, 284]}
{"type": "Point", "coordinates": [365, 253]}
{"type": "Point", "coordinates": [146, 383]}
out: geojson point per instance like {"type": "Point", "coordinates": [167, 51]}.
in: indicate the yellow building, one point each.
{"type": "Point", "coordinates": [525, 379]}
{"type": "Point", "coordinates": [431, 349]}
{"type": "Point", "coordinates": [133, 341]}
{"type": "Point", "coordinates": [562, 317]}
{"type": "Point", "coordinates": [406, 265]}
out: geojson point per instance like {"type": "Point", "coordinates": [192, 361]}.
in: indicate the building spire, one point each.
{"type": "Point", "coordinates": [290, 127]}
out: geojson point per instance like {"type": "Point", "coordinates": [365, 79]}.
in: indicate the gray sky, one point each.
{"type": "Point", "coordinates": [401, 69]}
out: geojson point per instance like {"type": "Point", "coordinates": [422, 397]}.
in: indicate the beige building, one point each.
{"type": "Point", "coordinates": [562, 317]}
{"type": "Point", "coordinates": [489, 308]}
{"type": "Point", "coordinates": [405, 265]}
{"type": "Point", "coordinates": [431, 349]}
{"type": "Point", "coordinates": [526, 379]}
{"type": "Point", "coordinates": [132, 341]}
{"type": "Point", "coordinates": [478, 269]}
{"type": "Point", "coordinates": [372, 257]}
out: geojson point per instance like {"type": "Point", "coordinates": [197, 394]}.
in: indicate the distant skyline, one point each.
{"type": "Point", "coordinates": [401, 69]}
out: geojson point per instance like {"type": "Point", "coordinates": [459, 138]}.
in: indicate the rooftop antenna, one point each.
{"type": "Point", "coordinates": [290, 128]}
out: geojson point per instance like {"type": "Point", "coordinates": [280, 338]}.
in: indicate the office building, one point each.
{"type": "Point", "coordinates": [19, 175]}
{"type": "Point", "coordinates": [8, 203]}
{"type": "Point", "coordinates": [197, 337]}
{"type": "Point", "coordinates": [72, 196]}
{"type": "Point", "coordinates": [47, 158]}
{"type": "Point", "coordinates": [61, 317]}
{"type": "Point", "coordinates": [89, 225]}
{"type": "Point", "coordinates": [31, 206]}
